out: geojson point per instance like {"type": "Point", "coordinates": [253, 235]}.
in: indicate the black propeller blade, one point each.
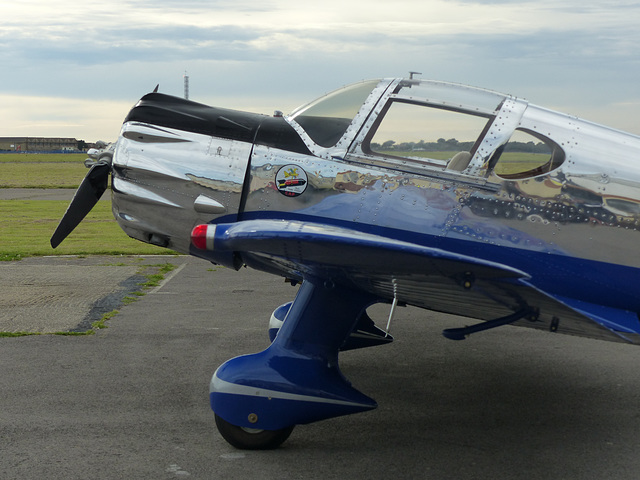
{"type": "Point", "coordinates": [87, 195]}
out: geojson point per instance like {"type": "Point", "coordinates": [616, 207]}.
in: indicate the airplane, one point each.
{"type": "Point", "coordinates": [399, 191]}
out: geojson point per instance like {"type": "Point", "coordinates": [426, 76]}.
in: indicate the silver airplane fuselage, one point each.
{"type": "Point", "coordinates": [570, 221]}
{"type": "Point", "coordinates": [441, 196]}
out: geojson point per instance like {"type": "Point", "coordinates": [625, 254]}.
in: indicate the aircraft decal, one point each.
{"type": "Point", "coordinates": [291, 180]}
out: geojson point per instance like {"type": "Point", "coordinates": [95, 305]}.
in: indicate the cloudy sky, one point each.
{"type": "Point", "coordinates": [74, 68]}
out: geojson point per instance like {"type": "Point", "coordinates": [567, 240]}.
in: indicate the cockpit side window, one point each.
{"type": "Point", "coordinates": [327, 119]}
{"type": "Point", "coordinates": [439, 137]}
{"type": "Point", "coordinates": [527, 154]}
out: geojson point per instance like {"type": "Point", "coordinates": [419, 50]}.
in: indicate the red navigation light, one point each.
{"type": "Point", "coordinates": [199, 237]}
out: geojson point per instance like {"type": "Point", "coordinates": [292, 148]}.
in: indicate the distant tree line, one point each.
{"type": "Point", "coordinates": [453, 145]}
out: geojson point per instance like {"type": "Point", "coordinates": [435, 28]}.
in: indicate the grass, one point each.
{"type": "Point", "coordinates": [17, 334]}
{"type": "Point", "coordinates": [41, 175]}
{"type": "Point", "coordinates": [27, 225]}
{"type": "Point", "coordinates": [153, 280]}
{"type": "Point", "coordinates": [516, 162]}
{"type": "Point", "coordinates": [42, 157]}
{"type": "Point", "coordinates": [97, 325]}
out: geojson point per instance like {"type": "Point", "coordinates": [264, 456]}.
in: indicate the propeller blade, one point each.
{"type": "Point", "coordinates": [85, 198]}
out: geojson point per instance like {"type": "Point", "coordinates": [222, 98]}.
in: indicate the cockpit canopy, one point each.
{"type": "Point", "coordinates": [327, 118]}
{"type": "Point", "coordinates": [427, 124]}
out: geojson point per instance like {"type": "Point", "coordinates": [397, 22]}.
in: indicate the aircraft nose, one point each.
{"type": "Point", "coordinates": [181, 178]}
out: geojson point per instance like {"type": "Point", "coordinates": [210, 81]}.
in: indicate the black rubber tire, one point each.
{"type": "Point", "coordinates": [246, 439]}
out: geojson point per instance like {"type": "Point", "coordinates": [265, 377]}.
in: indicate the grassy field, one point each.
{"type": "Point", "coordinates": [41, 175]}
{"type": "Point", "coordinates": [23, 170]}
{"type": "Point", "coordinates": [27, 226]}
{"type": "Point", "coordinates": [42, 157]}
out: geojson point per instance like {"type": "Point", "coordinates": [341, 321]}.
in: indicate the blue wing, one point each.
{"type": "Point", "coordinates": [425, 277]}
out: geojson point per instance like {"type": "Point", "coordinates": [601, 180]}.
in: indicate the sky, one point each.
{"type": "Point", "coordinates": [75, 68]}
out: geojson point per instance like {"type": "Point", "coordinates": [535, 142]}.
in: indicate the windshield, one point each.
{"type": "Point", "coordinates": [451, 96]}
{"type": "Point", "coordinates": [326, 119]}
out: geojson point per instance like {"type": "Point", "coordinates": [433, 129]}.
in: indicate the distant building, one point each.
{"type": "Point", "coordinates": [41, 144]}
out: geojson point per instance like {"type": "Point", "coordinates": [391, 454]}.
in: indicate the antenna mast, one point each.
{"type": "Point", "coordinates": [186, 85]}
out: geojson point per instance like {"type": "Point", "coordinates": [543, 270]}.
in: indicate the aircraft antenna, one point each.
{"type": "Point", "coordinates": [186, 85]}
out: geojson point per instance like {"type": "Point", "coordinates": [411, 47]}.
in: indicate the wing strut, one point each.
{"type": "Point", "coordinates": [462, 333]}
{"type": "Point", "coordinates": [393, 306]}
{"type": "Point", "coordinates": [391, 314]}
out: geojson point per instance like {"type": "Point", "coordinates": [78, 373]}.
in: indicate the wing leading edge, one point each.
{"type": "Point", "coordinates": [426, 277]}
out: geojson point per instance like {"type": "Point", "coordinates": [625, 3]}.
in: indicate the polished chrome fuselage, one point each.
{"type": "Point", "coordinates": [574, 228]}
{"type": "Point", "coordinates": [162, 187]}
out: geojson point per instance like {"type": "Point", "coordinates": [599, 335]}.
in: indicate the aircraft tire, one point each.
{"type": "Point", "coordinates": [252, 439]}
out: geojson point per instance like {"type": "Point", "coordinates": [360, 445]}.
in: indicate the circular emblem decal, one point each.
{"type": "Point", "coordinates": [291, 180]}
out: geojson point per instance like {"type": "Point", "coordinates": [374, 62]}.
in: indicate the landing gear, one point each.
{"type": "Point", "coordinates": [252, 438]}
{"type": "Point", "coordinates": [296, 380]}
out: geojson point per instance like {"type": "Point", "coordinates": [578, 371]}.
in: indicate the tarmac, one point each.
{"type": "Point", "coordinates": [131, 401]}
{"type": "Point", "coordinates": [49, 295]}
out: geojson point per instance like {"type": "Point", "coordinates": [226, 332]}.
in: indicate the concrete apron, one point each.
{"type": "Point", "coordinates": [56, 294]}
